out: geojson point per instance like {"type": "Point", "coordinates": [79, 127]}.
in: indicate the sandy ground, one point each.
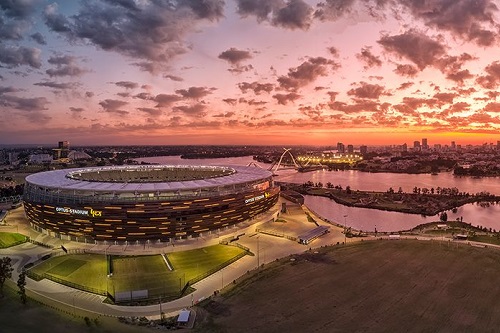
{"type": "Point", "coordinates": [374, 286]}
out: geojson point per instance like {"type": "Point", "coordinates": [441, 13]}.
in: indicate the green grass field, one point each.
{"type": "Point", "coordinates": [8, 239]}
{"type": "Point", "coordinates": [152, 273]}
{"type": "Point", "coordinates": [87, 270]}
{"type": "Point", "coordinates": [138, 272]}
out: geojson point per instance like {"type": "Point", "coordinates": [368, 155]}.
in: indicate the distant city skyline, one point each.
{"type": "Point", "coordinates": [249, 72]}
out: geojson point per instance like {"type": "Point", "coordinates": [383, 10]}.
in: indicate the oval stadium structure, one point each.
{"type": "Point", "coordinates": [147, 202]}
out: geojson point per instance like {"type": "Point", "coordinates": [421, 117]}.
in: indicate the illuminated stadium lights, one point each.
{"type": "Point", "coordinates": [131, 203]}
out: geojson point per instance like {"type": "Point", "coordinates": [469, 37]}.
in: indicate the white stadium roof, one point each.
{"type": "Point", "coordinates": [57, 179]}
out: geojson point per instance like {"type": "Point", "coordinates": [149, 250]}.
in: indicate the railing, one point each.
{"type": "Point", "coordinates": [39, 277]}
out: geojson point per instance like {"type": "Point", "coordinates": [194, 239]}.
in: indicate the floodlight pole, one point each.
{"type": "Point", "coordinates": [258, 252]}
{"type": "Point", "coordinates": [161, 316]}
{"type": "Point", "coordinates": [345, 230]}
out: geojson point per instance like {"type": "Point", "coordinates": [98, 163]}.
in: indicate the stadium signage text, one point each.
{"type": "Point", "coordinates": [262, 196]}
{"type": "Point", "coordinates": [91, 212]}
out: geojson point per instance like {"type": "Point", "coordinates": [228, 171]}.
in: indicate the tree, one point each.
{"type": "Point", "coordinates": [21, 284]}
{"type": "Point", "coordinates": [5, 271]}
{"type": "Point", "coordinates": [443, 217]}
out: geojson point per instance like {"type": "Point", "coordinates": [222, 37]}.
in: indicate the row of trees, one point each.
{"type": "Point", "coordinates": [6, 273]}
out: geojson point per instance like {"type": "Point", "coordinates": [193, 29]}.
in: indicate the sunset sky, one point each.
{"type": "Point", "coordinates": [249, 72]}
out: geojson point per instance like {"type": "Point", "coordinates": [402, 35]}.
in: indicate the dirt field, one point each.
{"type": "Point", "coordinates": [377, 286]}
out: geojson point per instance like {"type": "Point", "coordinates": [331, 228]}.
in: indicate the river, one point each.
{"type": "Point", "coordinates": [368, 219]}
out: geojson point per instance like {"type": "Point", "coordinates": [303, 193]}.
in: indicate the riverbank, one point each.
{"type": "Point", "coordinates": [428, 204]}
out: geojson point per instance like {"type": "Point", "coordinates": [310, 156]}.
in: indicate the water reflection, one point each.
{"type": "Point", "coordinates": [368, 219]}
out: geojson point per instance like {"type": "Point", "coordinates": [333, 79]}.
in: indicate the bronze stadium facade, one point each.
{"type": "Point", "coordinates": [145, 203]}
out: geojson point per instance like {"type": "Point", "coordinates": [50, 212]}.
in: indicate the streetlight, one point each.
{"type": "Point", "coordinates": [258, 253]}
{"type": "Point", "coordinates": [345, 230]}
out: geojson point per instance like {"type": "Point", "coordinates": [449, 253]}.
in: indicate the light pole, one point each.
{"type": "Point", "coordinates": [345, 230]}
{"type": "Point", "coordinates": [258, 253]}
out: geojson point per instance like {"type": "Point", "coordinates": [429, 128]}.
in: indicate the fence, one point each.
{"type": "Point", "coordinates": [39, 277]}
{"type": "Point", "coordinates": [216, 269]}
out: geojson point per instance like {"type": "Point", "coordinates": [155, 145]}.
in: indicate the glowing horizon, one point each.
{"type": "Point", "coordinates": [249, 72]}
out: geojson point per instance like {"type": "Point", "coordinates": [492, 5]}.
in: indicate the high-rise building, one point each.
{"type": "Point", "coordinates": [340, 147]}
{"type": "Point", "coordinates": [363, 149]}
{"type": "Point", "coordinates": [350, 149]}
{"type": "Point", "coordinates": [498, 145]}
{"type": "Point", "coordinates": [453, 145]}
{"type": "Point", "coordinates": [62, 150]}
{"type": "Point", "coordinates": [425, 146]}
{"type": "Point", "coordinates": [416, 145]}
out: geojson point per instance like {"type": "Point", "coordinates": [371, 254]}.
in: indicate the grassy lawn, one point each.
{"type": "Point", "coordinates": [371, 286]}
{"type": "Point", "coordinates": [151, 272]}
{"type": "Point", "coordinates": [485, 239]}
{"type": "Point", "coordinates": [87, 270]}
{"type": "Point", "coordinates": [137, 272]}
{"type": "Point", "coordinates": [8, 239]}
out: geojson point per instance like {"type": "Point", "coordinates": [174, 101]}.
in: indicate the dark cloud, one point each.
{"type": "Point", "coordinates": [445, 98]}
{"type": "Point", "coordinates": [460, 76]}
{"type": "Point", "coordinates": [174, 78]}
{"type": "Point", "coordinates": [463, 18]}
{"type": "Point", "coordinates": [230, 101]}
{"type": "Point", "coordinates": [192, 110]}
{"type": "Point", "coordinates": [492, 78]}
{"type": "Point", "coordinates": [66, 65]}
{"type": "Point", "coordinates": [123, 94]}
{"type": "Point", "coordinates": [251, 102]}
{"type": "Point", "coordinates": [366, 90]}
{"type": "Point", "coordinates": [414, 46]}
{"type": "Point", "coordinates": [55, 21]}
{"type": "Point", "coordinates": [13, 29]}
{"type": "Point", "coordinates": [145, 96]}
{"type": "Point", "coordinates": [205, 9]}
{"type": "Point", "coordinates": [55, 85]}
{"type": "Point", "coordinates": [261, 9]}
{"type": "Point", "coordinates": [127, 84]}
{"type": "Point", "coordinates": [164, 100]}
{"type": "Point", "coordinates": [333, 51]}
{"type": "Point", "coordinates": [492, 107]}
{"type": "Point", "coordinates": [235, 56]}
{"type": "Point", "coordinates": [406, 70]}
{"type": "Point", "coordinates": [306, 73]}
{"type": "Point", "coordinates": [14, 56]}
{"type": "Point", "coordinates": [89, 94]}
{"type": "Point", "coordinates": [296, 14]}
{"type": "Point", "coordinates": [113, 106]}
{"type": "Point", "coordinates": [405, 85]}
{"type": "Point", "coordinates": [25, 104]}
{"type": "Point", "coordinates": [283, 99]}
{"type": "Point", "coordinates": [291, 14]}
{"type": "Point", "coordinates": [356, 107]}
{"type": "Point", "coordinates": [331, 10]}
{"type": "Point", "coordinates": [256, 87]}
{"type": "Point", "coordinates": [18, 9]}
{"type": "Point", "coordinates": [4, 90]}
{"type": "Point", "coordinates": [195, 92]}
{"type": "Point", "coordinates": [151, 31]}
{"type": "Point", "coordinates": [151, 111]}
{"type": "Point", "coordinates": [76, 110]}
{"type": "Point", "coordinates": [224, 115]}
{"type": "Point", "coordinates": [366, 56]}
{"type": "Point", "coordinates": [38, 37]}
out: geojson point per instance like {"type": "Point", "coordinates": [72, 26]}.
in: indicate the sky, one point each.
{"type": "Point", "coordinates": [249, 72]}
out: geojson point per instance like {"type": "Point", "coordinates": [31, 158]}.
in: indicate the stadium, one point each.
{"type": "Point", "coordinates": [145, 203]}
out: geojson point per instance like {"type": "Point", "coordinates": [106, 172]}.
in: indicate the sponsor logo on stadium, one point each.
{"type": "Point", "coordinates": [262, 196]}
{"type": "Point", "coordinates": [86, 212]}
